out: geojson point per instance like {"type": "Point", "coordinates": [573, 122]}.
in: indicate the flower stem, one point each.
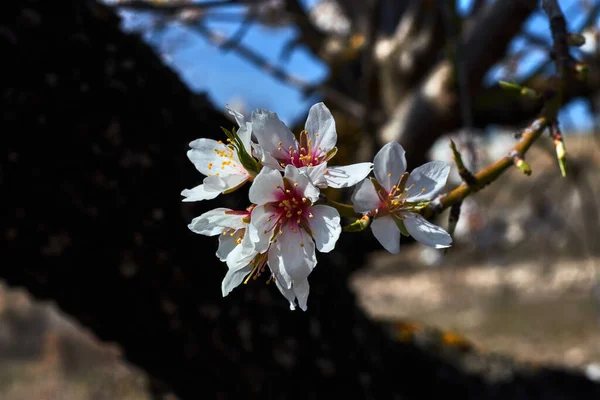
{"type": "Point", "coordinates": [345, 210]}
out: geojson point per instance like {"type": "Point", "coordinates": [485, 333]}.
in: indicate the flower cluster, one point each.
{"type": "Point", "coordinates": [288, 219]}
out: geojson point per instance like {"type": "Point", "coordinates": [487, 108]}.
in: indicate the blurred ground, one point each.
{"type": "Point", "coordinates": [43, 356]}
{"type": "Point", "coordinates": [521, 280]}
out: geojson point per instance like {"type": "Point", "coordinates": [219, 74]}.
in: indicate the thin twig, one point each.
{"type": "Point", "coordinates": [345, 103]}
{"type": "Point", "coordinates": [491, 173]}
{"type": "Point", "coordinates": [176, 6]}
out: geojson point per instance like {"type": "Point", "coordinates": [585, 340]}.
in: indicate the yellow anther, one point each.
{"type": "Point", "coordinates": [280, 143]}
{"type": "Point", "coordinates": [304, 199]}
{"type": "Point", "coordinates": [220, 142]}
{"type": "Point", "coordinates": [301, 244]}
{"type": "Point", "coordinates": [287, 190]}
{"type": "Point", "coordinates": [310, 215]}
{"type": "Point", "coordinates": [389, 175]}
{"type": "Point", "coordinates": [299, 212]}
{"type": "Point", "coordinates": [295, 184]}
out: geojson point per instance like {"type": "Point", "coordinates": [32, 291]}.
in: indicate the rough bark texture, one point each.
{"type": "Point", "coordinates": [94, 131]}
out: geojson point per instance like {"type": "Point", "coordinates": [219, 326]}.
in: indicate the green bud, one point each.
{"type": "Point", "coordinates": [251, 164]}
{"type": "Point", "coordinates": [359, 225]}
{"type": "Point", "coordinates": [524, 166]}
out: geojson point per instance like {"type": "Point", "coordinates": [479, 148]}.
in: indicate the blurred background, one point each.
{"type": "Point", "coordinates": [522, 279]}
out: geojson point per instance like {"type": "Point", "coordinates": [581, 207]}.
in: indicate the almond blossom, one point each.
{"type": "Point", "coordinates": [287, 225]}
{"type": "Point", "coordinates": [226, 166]}
{"type": "Point", "coordinates": [395, 197]}
{"type": "Point", "coordinates": [311, 152]}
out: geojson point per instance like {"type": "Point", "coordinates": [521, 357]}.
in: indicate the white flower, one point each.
{"type": "Point", "coordinates": [396, 197]}
{"type": "Point", "coordinates": [287, 225]}
{"type": "Point", "coordinates": [220, 163]}
{"type": "Point", "coordinates": [315, 147]}
{"type": "Point", "coordinates": [235, 246]}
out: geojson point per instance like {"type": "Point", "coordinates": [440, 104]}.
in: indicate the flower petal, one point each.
{"type": "Point", "coordinates": [227, 244]}
{"type": "Point", "coordinates": [245, 131]}
{"type": "Point", "coordinates": [269, 131]}
{"type": "Point", "coordinates": [234, 278]}
{"type": "Point", "coordinates": [262, 223]}
{"type": "Point", "coordinates": [389, 165]}
{"type": "Point", "coordinates": [214, 222]}
{"type": "Point", "coordinates": [287, 293]}
{"type": "Point", "coordinates": [365, 197]}
{"type": "Point", "coordinates": [306, 188]}
{"type": "Point", "coordinates": [325, 225]}
{"type": "Point", "coordinates": [293, 256]}
{"type": "Point", "coordinates": [321, 127]}
{"type": "Point", "coordinates": [426, 181]}
{"type": "Point", "coordinates": [316, 175]}
{"type": "Point", "coordinates": [200, 192]}
{"type": "Point", "coordinates": [211, 157]}
{"type": "Point", "coordinates": [266, 186]}
{"type": "Point", "coordinates": [387, 233]}
{"type": "Point", "coordinates": [349, 175]}
{"type": "Point", "coordinates": [266, 159]}
{"type": "Point", "coordinates": [425, 232]}
{"type": "Point", "coordinates": [301, 290]}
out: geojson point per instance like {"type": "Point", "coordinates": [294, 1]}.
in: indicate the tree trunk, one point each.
{"type": "Point", "coordinates": [95, 130]}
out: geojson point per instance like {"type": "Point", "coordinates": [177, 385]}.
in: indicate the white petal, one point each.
{"type": "Point", "coordinates": [210, 157]}
{"type": "Point", "coordinates": [306, 188]}
{"type": "Point", "coordinates": [325, 223]}
{"type": "Point", "coordinates": [234, 278]}
{"type": "Point", "coordinates": [227, 243]}
{"type": "Point", "coordinates": [293, 256]}
{"type": "Point", "coordinates": [426, 232]}
{"type": "Point", "coordinates": [387, 233]}
{"type": "Point", "coordinates": [349, 175]}
{"type": "Point", "coordinates": [365, 197]}
{"type": "Point", "coordinates": [266, 159]}
{"type": "Point", "coordinates": [242, 254]}
{"type": "Point", "coordinates": [239, 117]}
{"type": "Point", "coordinates": [316, 175]}
{"type": "Point", "coordinates": [389, 165]}
{"type": "Point", "coordinates": [214, 222]}
{"type": "Point", "coordinates": [320, 122]}
{"type": "Point", "coordinates": [266, 187]}
{"type": "Point", "coordinates": [200, 192]}
{"type": "Point", "coordinates": [287, 293]}
{"type": "Point", "coordinates": [426, 181]}
{"type": "Point", "coordinates": [245, 131]}
{"type": "Point", "coordinates": [301, 290]}
{"type": "Point", "coordinates": [262, 223]}
{"type": "Point", "coordinates": [269, 131]}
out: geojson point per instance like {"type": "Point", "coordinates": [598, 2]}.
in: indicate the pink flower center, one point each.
{"type": "Point", "coordinates": [292, 209]}
{"type": "Point", "coordinates": [301, 154]}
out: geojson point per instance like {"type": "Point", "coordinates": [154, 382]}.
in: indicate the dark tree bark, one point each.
{"type": "Point", "coordinates": [95, 130]}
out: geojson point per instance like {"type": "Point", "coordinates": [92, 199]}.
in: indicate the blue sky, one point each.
{"type": "Point", "coordinates": [227, 78]}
